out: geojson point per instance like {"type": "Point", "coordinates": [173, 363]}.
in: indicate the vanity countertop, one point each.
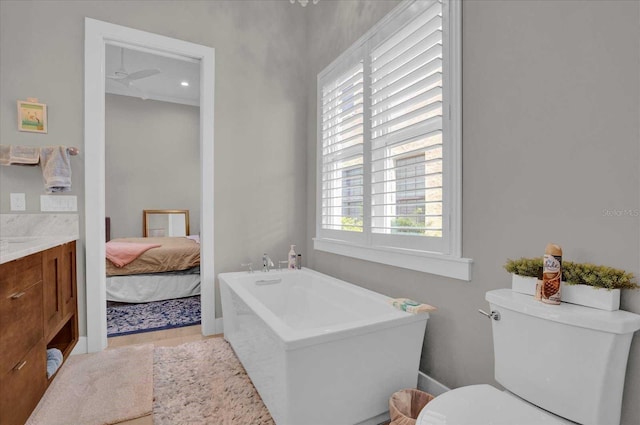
{"type": "Point", "coordinates": [26, 234]}
{"type": "Point", "coordinates": [21, 246]}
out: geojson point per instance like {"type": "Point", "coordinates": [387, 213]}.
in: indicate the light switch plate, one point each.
{"type": "Point", "coordinates": [58, 203]}
{"type": "Point", "coordinates": [18, 202]}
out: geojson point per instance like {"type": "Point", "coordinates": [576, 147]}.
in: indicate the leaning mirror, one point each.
{"type": "Point", "coordinates": [159, 223]}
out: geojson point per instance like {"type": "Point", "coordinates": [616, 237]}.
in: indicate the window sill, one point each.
{"type": "Point", "coordinates": [427, 262]}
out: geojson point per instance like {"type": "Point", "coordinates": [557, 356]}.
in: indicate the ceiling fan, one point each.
{"type": "Point", "coordinates": [122, 76]}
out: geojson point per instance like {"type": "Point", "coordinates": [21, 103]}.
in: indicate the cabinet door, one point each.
{"type": "Point", "coordinates": [20, 308]}
{"type": "Point", "coordinates": [22, 387]}
{"type": "Point", "coordinates": [20, 324]}
{"type": "Point", "coordinates": [52, 279]}
{"type": "Point", "coordinates": [68, 284]}
{"type": "Point", "coordinates": [59, 295]}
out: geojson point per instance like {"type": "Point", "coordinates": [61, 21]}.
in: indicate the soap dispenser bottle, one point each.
{"type": "Point", "coordinates": [292, 258]}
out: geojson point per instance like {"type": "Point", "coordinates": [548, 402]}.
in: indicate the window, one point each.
{"type": "Point", "coordinates": [389, 168]}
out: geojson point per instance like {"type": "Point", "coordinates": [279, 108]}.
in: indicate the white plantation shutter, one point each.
{"type": "Point", "coordinates": [389, 150]}
{"type": "Point", "coordinates": [406, 130]}
{"type": "Point", "coordinates": [342, 137]}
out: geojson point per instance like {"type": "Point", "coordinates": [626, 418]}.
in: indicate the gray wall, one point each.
{"type": "Point", "coordinates": [550, 101]}
{"type": "Point", "coordinates": [152, 155]}
{"type": "Point", "coordinates": [550, 144]}
{"type": "Point", "coordinates": [260, 108]}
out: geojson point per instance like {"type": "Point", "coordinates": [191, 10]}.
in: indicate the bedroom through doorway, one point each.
{"type": "Point", "coordinates": [152, 192]}
{"type": "Point", "coordinates": [99, 34]}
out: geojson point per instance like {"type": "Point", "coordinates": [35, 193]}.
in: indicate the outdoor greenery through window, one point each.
{"type": "Point", "coordinates": [352, 199]}
{"type": "Point", "coordinates": [388, 164]}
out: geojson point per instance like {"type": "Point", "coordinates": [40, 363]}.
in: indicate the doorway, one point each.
{"type": "Point", "coordinates": [97, 35]}
{"type": "Point", "coordinates": [152, 194]}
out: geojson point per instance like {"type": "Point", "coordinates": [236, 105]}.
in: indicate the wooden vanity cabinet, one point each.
{"type": "Point", "coordinates": [38, 310]}
{"type": "Point", "coordinates": [59, 275]}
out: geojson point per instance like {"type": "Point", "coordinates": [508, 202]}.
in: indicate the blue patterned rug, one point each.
{"type": "Point", "coordinates": [125, 318]}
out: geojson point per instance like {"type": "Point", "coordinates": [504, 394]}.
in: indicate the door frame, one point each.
{"type": "Point", "coordinates": [97, 35]}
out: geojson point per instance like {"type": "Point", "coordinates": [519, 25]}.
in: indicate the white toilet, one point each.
{"type": "Point", "coordinates": [559, 364]}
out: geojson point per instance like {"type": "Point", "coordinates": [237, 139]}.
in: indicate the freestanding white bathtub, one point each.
{"type": "Point", "coordinates": [320, 351]}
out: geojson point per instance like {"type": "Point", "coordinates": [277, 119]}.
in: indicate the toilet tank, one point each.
{"type": "Point", "coordinates": [568, 359]}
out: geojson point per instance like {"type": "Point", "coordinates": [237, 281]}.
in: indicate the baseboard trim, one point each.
{"type": "Point", "coordinates": [430, 385]}
{"type": "Point", "coordinates": [81, 346]}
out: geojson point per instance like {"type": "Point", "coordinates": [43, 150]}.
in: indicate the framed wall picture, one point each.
{"type": "Point", "coordinates": [32, 116]}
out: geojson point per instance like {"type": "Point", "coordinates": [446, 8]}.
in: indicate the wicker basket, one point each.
{"type": "Point", "coordinates": [405, 406]}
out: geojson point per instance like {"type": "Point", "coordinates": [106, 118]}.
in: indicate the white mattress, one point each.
{"type": "Point", "coordinates": [152, 287]}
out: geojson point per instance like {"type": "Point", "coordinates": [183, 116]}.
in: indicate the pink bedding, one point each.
{"type": "Point", "coordinates": [122, 253]}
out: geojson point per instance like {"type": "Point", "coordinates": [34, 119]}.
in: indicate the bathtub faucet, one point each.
{"type": "Point", "coordinates": [266, 263]}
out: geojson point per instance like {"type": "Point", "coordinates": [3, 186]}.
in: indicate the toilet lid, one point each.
{"type": "Point", "coordinates": [483, 404]}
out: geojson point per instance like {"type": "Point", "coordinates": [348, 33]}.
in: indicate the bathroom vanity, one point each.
{"type": "Point", "coordinates": [38, 310]}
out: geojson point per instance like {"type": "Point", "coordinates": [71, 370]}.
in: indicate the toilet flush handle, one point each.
{"type": "Point", "coordinates": [495, 315]}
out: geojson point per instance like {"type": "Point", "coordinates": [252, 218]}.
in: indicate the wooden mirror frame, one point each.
{"type": "Point", "coordinates": [145, 221]}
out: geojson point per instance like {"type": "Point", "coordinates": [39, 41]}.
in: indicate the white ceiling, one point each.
{"type": "Point", "coordinates": [164, 86]}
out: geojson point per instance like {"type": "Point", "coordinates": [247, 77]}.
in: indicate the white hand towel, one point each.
{"type": "Point", "coordinates": [24, 155]}
{"type": "Point", "coordinates": [56, 168]}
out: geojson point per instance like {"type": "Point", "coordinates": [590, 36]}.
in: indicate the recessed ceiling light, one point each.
{"type": "Point", "coordinates": [184, 84]}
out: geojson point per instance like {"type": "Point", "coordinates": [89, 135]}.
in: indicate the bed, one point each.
{"type": "Point", "coordinates": [169, 270]}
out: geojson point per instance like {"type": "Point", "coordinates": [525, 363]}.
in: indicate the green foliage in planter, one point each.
{"type": "Point", "coordinates": [598, 276]}
{"type": "Point", "coordinates": [577, 273]}
{"type": "Point", "coordinates": [524, 266]}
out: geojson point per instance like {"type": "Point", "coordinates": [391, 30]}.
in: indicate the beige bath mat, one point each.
{"type": "Point", "coordinates": [99, 389]}
{"type": "Point", "coordinates": [204, 383]}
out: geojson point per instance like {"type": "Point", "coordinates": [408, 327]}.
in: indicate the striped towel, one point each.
{"type": "Point", "coordinates": [19, 155]}
{"type": "Point", "coordinates": [411, 306]}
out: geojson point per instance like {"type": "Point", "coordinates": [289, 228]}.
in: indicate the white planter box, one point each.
{"type": "Point", "coordinates": [589, 296]}
{"type": "Point", "coordinates": [600, 298]}
{"type": "Point", "coordinates": [523, 284]}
